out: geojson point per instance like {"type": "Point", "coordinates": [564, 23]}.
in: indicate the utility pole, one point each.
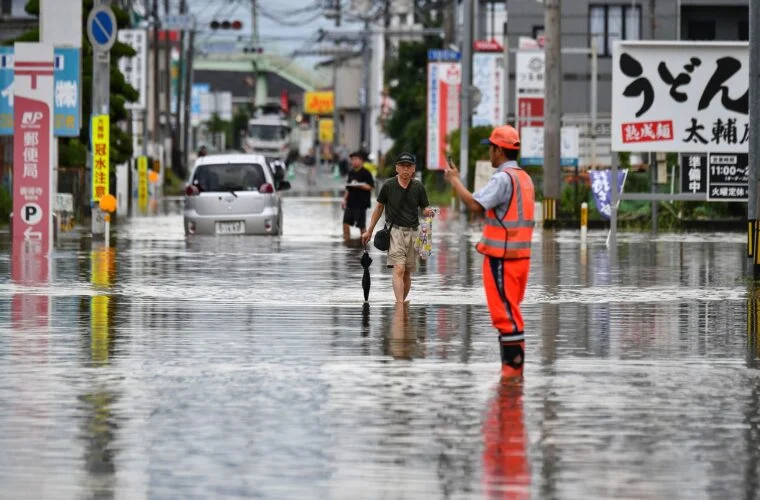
{"type": "Point", "coordinates": [188, 94]}
{"type": "Point", "coordinates": [465, 112]}
{"type": "Point", "coordinates": [653, 155]}
{"type": "Point", "coordinates": [754, 138]}
{"type": "Point", "coordinates": [254, 48]}
{"type": "Point", "coordinates": [364, 96]}
{"type": "Point", "coordinates": [449, 22]}
{"type": "Point", "coordinates": [505, 85]}
{"type": "Point", "coordinates": [101, 100]}
{"type": "Point", "coordinates": [168, 79]}
{"type": "Point", "coordinates": [552, 108]}
{"type": "Point", "coordinates": [177, 160]}
{"type": "Point", "coordinates": [156, 79]}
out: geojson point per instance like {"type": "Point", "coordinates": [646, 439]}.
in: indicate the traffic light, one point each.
{"type": "Point", "coordinates": [253, 50]}
{"type": "Point", "coordinates": [226, 25]}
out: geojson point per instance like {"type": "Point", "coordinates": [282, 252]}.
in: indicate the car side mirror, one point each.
{"type": "Point", "coordinates": [283, 186]}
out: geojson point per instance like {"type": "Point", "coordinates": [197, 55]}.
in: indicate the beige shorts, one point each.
{"type": "Point", "coordinates": [402, 250]}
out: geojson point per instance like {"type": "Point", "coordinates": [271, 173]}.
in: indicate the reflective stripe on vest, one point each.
{"type": "Point", "coordinates": [510, 237]}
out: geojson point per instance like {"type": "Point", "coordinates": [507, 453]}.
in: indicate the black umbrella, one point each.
{"type": "Point", "coordinates": [366, 261]}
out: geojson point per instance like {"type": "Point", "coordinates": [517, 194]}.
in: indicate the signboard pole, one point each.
{"type": "Point", "coordinates": [553, 107]}
{"type": "Point", "coordinates": [466, 86]}
{"type": "Point", "coordinates": [101, 30]}
{"type": "Point", "coordinates": [505, 43]}
{"type": "Point", "coordinates": [32, 225]}
{"type": "Point", "coordinates": [754, 135]}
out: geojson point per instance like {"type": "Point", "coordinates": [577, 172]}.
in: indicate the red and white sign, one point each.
{"type": "Point", "coordinates": [32, 162]}
{"type": "Point", "coordinates": [487, 46]}
{"type": "Point", "coordinates": [529, 88]}
{"type": "Point", "coordinates": [688, 97]}
{"type": "Point", "coordinates": [443, 109]}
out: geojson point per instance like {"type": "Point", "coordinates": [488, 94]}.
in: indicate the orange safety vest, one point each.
{"type": "Point", "coordinates": [509, 238]}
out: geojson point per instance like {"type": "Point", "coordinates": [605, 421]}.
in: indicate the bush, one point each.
{"type": "Point", "coordinates": [6, 205]}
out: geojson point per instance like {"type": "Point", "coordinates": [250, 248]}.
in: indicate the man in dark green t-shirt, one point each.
{"type": "Point", "coordinates": [404, 197]}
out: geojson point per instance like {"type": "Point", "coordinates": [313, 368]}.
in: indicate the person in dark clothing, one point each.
{"type": "Point", "coordinates": [356, 201]}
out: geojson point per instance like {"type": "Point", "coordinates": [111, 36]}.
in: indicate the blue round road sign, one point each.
{"type": "Point", "coordinates": [101, 28]}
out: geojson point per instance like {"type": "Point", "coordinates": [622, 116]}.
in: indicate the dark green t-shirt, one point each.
{"type": "Point", "coordinates": [400, 211]}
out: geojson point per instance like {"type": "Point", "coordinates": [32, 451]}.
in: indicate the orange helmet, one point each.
{"type": "Point", "coordinates": [505, 136]}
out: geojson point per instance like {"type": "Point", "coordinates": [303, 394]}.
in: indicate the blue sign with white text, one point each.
{"type": "Point", "coordinates": [601, 187]}
{"type": "Point", "coordinates": [66, 88]}
{"type": "Point", "coordinates": [443, 55]}
{"type": "Point", "coordinates": [195, 99]}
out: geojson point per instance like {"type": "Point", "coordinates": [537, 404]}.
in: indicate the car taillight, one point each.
{"type": "Point", "coordinates": [266, 188]}
{"type": "Point", "coordinates": [191, 190]}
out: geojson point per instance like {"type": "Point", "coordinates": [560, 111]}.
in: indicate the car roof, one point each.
{"type": "Point", "coordinates": [216, 159]}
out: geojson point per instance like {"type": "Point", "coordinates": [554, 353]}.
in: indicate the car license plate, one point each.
{"type": "Point", "coordinates": [229, 227]}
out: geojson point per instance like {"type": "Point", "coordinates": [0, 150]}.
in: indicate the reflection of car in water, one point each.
{"type": "Point", "coordinates": [234, 194]}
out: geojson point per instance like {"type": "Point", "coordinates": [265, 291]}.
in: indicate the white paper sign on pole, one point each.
{"type": "Point", "coordinates": [532, 146]}
{"type": "Point", "coordinates": [680, 97]}
{"type": "Point", "coordinates": [134, 68]}
{"type": "Point", "coordinates": [529, 87]}
{"type": "Point", "coordinates": [488, 77]}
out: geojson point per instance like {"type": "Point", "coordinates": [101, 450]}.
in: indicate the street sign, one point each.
{"type": "Point", "coordinates": [67, 89]}
{"type": "Point", "coordinates": [100, 156]}
{"type": "Point", "coordinates": [488, 77]}
{"type": "Point", "coordinates": [532, 146]}
{"type": "Point", "coordinates": [32, 161]}
{"type": "Point", "coordinates": [444, 85]}
{"type": "Point", "coordinates": [101, 28]}
{"type": "Point", "coordinates": [443, 55]}
{"type": "Point", "coordinates": [319, 103]}
{"type": "Point", "coordinates": [182, 22]}
{"type": "Point", "coordinates": [142, 184]}
{"type": "Point", "coordinates": [680, 97]}
{"type": "Point", "coordinates": [728, 177]}
{"type": "Point", "coordinates": [694, 173]}
{"type": "Point", "coordinates": [529, 87]}
{"type": "Point", "coordinates": [135, 68]}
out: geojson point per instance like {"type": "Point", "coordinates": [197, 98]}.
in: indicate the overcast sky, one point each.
{"type": "Point", "coordinates": [284, 25]}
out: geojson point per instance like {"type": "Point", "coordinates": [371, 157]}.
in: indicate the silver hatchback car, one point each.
{"type": "Point", "coordinates": [234, 194]}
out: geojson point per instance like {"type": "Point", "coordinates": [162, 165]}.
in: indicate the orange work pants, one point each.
{"type": "Point", "coordinates": [505, 282]}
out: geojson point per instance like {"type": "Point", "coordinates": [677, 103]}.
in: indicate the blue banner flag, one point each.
{"type": "Point", "coordinates": [601, 186]}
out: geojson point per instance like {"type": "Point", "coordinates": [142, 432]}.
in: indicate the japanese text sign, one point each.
{"type": "Point", "coordinates": [532, 146]}
{"type": "Point", "coordinates": [326, 131]}
{"type": "Point", "coordinates": [694, 173]}
{"type": "Point", "coordinates": [601, 187]}
{"type": "Point", "coordinates": [728, 177]}
{"type": "Point", "coordinates": [32, 165]}
{"type": "Point", "coordinates": [444, 83]}
{"type": "Point", "coordinates": [100, 151]}
{"type": "Point", "coordinates": [488, 77]}
{"type": "Point", "coordinates": [67, 95]}
{"type": "Point", "coordinates": [529, 87]}
{"type": "Point", "coordinates": [134, 68]}
{"type": "Point", "coordinates": [319, 103]}
{"type": "Point", "coordinates": [680, 96]}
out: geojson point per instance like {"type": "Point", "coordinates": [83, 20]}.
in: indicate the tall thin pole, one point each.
{"type": "Point", "coordinates": [653, 156]}
{"type": "Point", "coordinates": [364, 101]}
{"type": "Point", "coordinates": [594, 98]}
{"type": "Point", "coordinates": [156, 79]}
{"type": "Point", "coordinates": [552, 108]}
{"type": "Point", "coordinates": [464, 128]}
{"type": "Point", "coordinates": [188, 94]}
{"type": "Point", "coordinates": [177, 157]}
{"type": "Point", "coordinates": [168, 73]}
{"type": "Point", "coordinates": [754, 131]}
{"type": "Point", "coordinates": [505, 43]}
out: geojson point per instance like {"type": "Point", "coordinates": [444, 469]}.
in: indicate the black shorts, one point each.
{"type": "Point", "coordinates": [355, 217]}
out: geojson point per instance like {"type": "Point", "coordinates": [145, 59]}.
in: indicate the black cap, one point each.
{"type": "Point", "coordinates": [359, 154]}
{"type": "Point", "coordinates": [406, 158]}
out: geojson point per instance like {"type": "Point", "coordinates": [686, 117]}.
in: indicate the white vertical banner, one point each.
{"type": "Point", "coordinates": [134, 68]}
{"type": "Point", "coordinates": [488, 78]}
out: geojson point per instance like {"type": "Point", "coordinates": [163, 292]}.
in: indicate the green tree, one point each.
{"type": "Point", "coordinates": [406, 76]}
{"type": "Point", "coordinates": [73, 150]}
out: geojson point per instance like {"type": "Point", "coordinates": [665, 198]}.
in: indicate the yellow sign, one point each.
{"type": "Point", "coordinates": [142, 183]}
{"type": "Point", "coordinates": [326, 131]}
{"type": "Point", "coordinates": [100, 151]}
{"type": "Point", "coordinates": [319, 103]}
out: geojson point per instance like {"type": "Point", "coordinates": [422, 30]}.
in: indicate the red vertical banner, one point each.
{"type": "Point", "coordinates": [32, 163]}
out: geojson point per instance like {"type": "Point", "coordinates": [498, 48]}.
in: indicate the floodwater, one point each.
{"type": "Point", "coordinates": [250, 367]}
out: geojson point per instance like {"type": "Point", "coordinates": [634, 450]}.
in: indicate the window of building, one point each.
{"type": "Point", "coordinates": [700, 30]}
{"type": "Point", "coordinates": [609, 23]}
{"type": "Point", "coordinates": [744, 31]}
{"type": "Point", "coordinates": [6, 7]}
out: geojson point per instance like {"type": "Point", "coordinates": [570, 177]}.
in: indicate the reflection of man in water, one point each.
{"type": "Point", "coordinates": [402, 340]}
{"type": "Point", "coordinates": [506, 472]}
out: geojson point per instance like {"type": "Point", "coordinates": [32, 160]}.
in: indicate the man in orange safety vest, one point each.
{"type": "Point", "coordinates": [508, 201]}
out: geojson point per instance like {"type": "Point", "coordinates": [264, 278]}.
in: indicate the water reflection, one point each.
{"type": "Point", "coordinates": [405, 339]}
{"type": "Point", "coordinates": [505, 460]}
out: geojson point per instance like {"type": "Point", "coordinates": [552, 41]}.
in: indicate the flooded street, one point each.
{"type": "Point", "coordinates": [250, 367]}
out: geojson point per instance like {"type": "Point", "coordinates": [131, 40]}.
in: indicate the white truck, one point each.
{"type": "Point", "coordinates": [272, 136]}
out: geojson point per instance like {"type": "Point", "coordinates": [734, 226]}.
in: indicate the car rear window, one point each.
{"type": "Point", "coordinates": [229, 177]}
